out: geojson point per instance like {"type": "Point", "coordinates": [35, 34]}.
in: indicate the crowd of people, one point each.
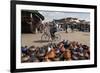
{"type": "Point", "coordinates": [62, 51]}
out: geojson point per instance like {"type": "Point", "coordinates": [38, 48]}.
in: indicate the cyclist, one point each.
{"type": "Point", "coordinates": [53, 29]}
{"type": "Point", "coordinates": [46, 29]}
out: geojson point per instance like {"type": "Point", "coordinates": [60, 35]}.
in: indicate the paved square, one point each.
{"type": "Point", "coordinates": [35, 39]}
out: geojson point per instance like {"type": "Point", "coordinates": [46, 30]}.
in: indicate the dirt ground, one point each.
{"type": "Point", "coordinates": [35, 39]}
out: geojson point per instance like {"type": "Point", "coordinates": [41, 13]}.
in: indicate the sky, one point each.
{"type": "Point", "coordinates": [50, 15]}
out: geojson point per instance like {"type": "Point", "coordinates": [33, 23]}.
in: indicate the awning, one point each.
{"type": "Point", "coordinates": [34, 12]}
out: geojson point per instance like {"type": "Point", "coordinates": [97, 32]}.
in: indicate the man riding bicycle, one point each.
{"type": "Point", "coordinates": [49, 32]}
{"type": "Point", "coordinates": [53, 29]}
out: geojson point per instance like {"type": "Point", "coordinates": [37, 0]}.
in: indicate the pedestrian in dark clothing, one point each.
{"type": "Point", "coordinates": [72, 27]}
{"type": "Point", "coordinates": [66, 27]}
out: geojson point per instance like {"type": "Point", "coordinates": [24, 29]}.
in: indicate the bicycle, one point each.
{"type": "Point", "coordinates": [46, 37]}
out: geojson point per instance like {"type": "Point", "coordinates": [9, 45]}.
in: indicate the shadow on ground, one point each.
{"type": "Point", "coordinates": [41, 41]}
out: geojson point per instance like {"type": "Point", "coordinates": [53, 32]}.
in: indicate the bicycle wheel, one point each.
{"type": "Point", "coordinates": [45, 37]}
{"type": "Point", "coordinates": [57, 37]}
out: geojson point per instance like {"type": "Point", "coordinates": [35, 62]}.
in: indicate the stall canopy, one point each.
{"type": "Point", "coordinates": [34, 13]}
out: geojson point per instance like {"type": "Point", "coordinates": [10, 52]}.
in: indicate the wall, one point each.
{"type": "Point", "coordinates": [5, 36]}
